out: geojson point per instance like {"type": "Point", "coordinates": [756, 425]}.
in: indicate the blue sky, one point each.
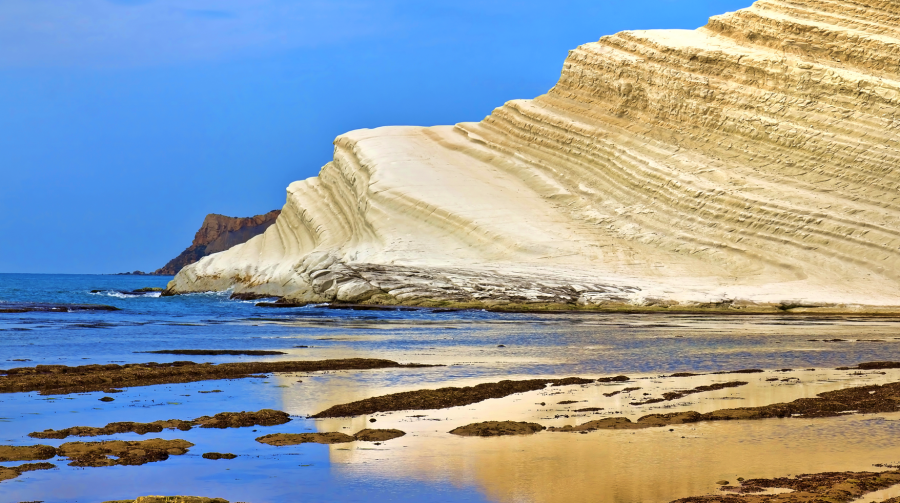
{"type": "Point", "coordinates": [124, 122]}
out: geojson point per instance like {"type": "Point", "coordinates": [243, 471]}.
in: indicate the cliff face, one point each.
{"type": "Point", "coordinates": [753, 159]}
{"type": "Point", "coordinates": [219, 233]}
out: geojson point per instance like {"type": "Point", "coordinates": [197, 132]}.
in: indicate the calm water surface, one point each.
{"type": "Point", "coordinates": [429, 464]}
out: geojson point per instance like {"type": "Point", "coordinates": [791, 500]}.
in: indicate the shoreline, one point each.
{"type": "Point", "coordinates": [724, 308]}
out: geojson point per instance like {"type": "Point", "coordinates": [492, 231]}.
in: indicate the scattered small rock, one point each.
{"type": "Point", "coordinates": [676, 395]}
{"type": "Point", "coordinates": [626, 390]}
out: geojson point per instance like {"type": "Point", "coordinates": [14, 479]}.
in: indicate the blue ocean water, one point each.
{"type": "Point", "coordinates": [533, 343]}
{"type": "Point", "coordinates": [471, 346]}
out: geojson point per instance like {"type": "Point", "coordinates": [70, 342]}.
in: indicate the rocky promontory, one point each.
{"type": "Point", "coordinates": [750, 162]}
{"type": "Point", "coordinates": [218, 233]}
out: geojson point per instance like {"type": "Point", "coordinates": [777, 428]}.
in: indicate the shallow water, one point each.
{"type": "Point", "coordinates": [429, 464]}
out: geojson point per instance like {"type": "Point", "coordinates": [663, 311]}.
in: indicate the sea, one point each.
{"type": "Point", "coordinates": [466, 347]}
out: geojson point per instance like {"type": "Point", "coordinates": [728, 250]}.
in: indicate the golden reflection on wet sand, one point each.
{"type": "Point", "coordinates": [652, 465]}
{"type": "Point", "coordinates": [655, 465]}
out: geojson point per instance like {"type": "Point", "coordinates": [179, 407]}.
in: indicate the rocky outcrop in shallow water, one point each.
{"type": "Point", "coordinates": [834, 487]}
{"type": "Point", "coordinates": [121, 452]}
{"type": "Point", "coordinates": [497, 429]}
{"type": "Point", "coordinates": [222, 420]}
{"type": "Point", "coordinates": [750, 162]}
{"type": "Point", "coordinates": [869, 399]}
{"type": "Point", "coordinates": [62, 379]}
{"type": "Point", "coordinates": [11, 472]}
{"type": "Point", "coordinates": [367, 435]}
{"type": "Point", "coordinates": [443, 398]}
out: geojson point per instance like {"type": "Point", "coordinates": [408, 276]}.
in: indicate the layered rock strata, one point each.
{"type": "Point", "coordinates": [219, 233]}
{"type": "Point", "coordinates": [748, 162]}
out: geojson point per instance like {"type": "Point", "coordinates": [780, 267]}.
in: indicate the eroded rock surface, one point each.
{"type": "Point", "coordinates": [679, 394]}
{"type": "Point", "coordinates": [833, 487]}
{"type": "Point", "coordinates": [378, 435]}
{"type": "Point", "coordinates": [366, 435]}
{"type": "Point", "coordinates": [443, 398]}
{"type": "Point", "coordinates": [281, 439]}
{"type": "Point", "coordinates": [497, 428]}
{"type": "Point", "coordinates": [264, 417]}
{"type": "Point", "coordinates": [61, 379]}
{"type": "Point", "coordinates": [121, 452]}
{"type": "Point", "coordinates": [26, 452]}
{"type": "Point", "coordinates": [115, 428]}
{"type": "Point", "coordinates": [748, 164]}
{"type": "Point", "coordinates": [857, 400]}
{"type": "Point", "coordinates": [11, 472]}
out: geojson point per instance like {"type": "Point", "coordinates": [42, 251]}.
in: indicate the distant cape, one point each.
{"type": "Point", "coordinates": [218, 233]}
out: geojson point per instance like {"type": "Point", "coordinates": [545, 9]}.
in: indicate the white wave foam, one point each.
{"type": "Point", "coordinates": [120, 295]}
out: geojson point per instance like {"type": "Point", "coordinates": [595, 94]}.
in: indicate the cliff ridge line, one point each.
{"type": "Point", "coordinates": [218, 233]}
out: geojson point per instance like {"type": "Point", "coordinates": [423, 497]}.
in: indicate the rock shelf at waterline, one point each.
{"type": "Point", "coordinates": [444, 397]}
{"type": "Point", "coordinates": [264, 417]}
{"type": "Point", "coordinates": [62, 379]}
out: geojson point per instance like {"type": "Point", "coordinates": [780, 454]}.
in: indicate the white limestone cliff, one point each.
{"type": "Point", "coordinates": [754, 160]}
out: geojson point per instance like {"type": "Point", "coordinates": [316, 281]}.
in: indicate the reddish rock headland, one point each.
{"type": "Point", "coordinates": [218, 233]}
